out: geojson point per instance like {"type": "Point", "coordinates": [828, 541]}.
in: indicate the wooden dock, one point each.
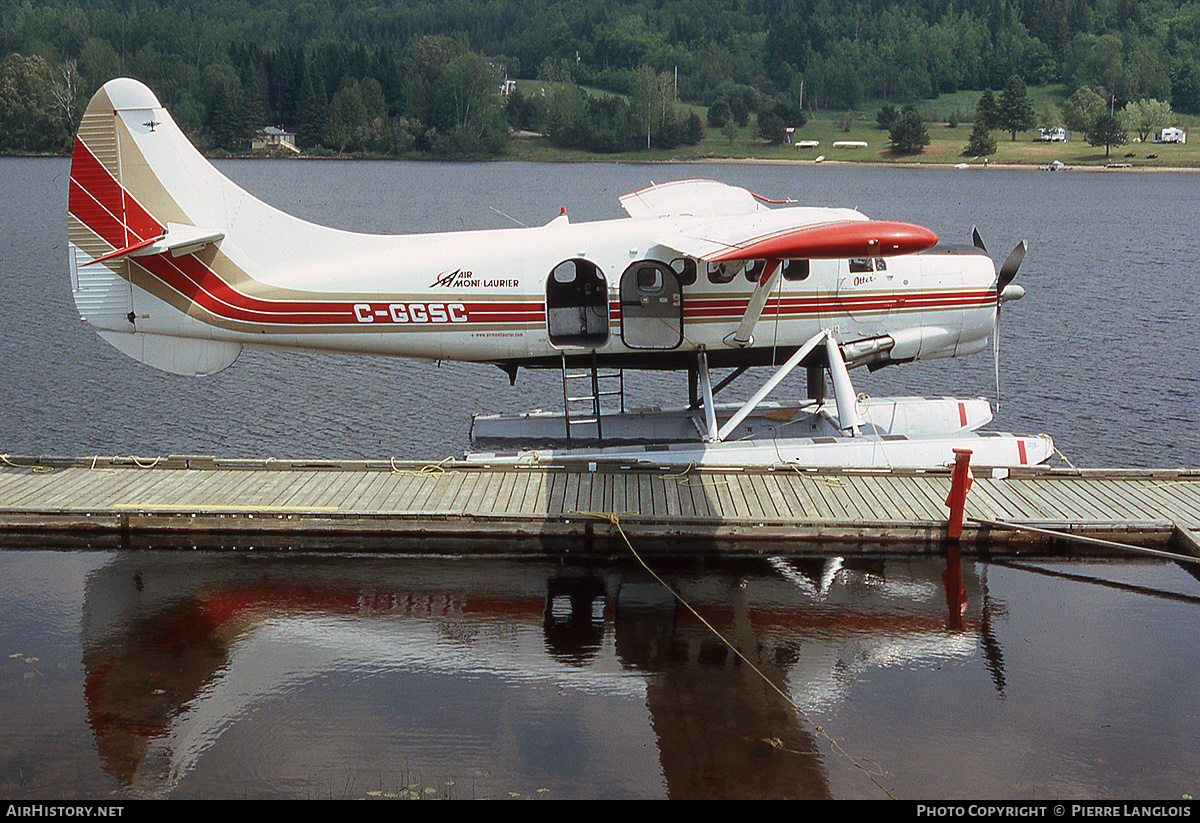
{"type": "Point", "coordinates": [194, 501]}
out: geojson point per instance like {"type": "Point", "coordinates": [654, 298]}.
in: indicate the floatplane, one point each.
{"type": "Point", "coordinates": [177, 267]}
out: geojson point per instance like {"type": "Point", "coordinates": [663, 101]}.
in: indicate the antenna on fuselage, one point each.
{"type": "Point", "coordinates": [510, 217]}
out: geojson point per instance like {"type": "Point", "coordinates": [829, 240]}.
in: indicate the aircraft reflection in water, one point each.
{"type": "Point", "coordinates": [180, 649]}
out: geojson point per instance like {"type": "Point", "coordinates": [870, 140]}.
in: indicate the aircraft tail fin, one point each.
{"type": "Point", "coordinates": [140, 197]}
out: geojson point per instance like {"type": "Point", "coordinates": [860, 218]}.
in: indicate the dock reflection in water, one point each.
{"type": "Point", "coordinates": [278, 672]}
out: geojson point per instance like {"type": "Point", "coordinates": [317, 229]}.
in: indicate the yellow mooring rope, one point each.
{"type": "Point", "coordinates": [865, 766]}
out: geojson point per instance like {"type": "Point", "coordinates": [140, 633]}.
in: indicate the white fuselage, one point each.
{"type": "Point", "coordinates": [490, 296]}
{"type": "Point", "coordinates": [179, 267]}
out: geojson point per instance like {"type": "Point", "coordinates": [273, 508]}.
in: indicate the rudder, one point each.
{"type": "Point", "coordinates": [119, 204]}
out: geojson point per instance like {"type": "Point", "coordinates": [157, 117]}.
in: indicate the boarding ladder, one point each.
{"type": "Point", "coordinates": [583, 393]}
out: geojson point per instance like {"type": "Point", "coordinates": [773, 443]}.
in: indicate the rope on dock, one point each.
{"type": "Point", "coordinates": [865, 400]}
{"type": "Point", "coordinates": [1061, 456]}
{"type": "Point", "coordinates": [34, 469]}
{"type": "Point", "coordinates": [859, 763]}
{"type": "Point", "coordinates": [425, 470]}
{"type": "Point", "coordinates": [95, 460]}
{"type": "Point", "coordinates": [683, 478]}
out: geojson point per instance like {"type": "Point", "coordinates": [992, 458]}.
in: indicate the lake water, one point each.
{"type": "Point", "coordinates": [299, 675]}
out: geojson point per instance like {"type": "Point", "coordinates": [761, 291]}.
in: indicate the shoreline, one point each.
{"type": "Point", "coordinates": [768, 161]}
{"type": "Point", "coordinates": [706, 160]}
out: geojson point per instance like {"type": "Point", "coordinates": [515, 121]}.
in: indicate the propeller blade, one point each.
{"type": "Point", "coordinates": [977, 240]}
{"type": "Point", "coordinates": [1009, 270]}
{"type": "Point", "coordinates": [996, 354]}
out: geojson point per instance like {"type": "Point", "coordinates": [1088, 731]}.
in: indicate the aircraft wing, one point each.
{"type": "Point", "coordinates": [799, 233]}
{"type": "Point", "coordinates": [720, 223]}
{"type": "Point", "coordinates": [690, 198]}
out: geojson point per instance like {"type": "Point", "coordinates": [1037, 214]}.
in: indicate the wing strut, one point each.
{"type": "Point", "coordinates": [766, 284]}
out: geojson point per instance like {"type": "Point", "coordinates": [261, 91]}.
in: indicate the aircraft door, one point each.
{"type": "Point", "coordinates": [651, 306]}
{"type": "Point", "coordinates": [577, 305]}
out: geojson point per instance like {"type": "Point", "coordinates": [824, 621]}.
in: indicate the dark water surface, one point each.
{"type": "Point", "coordinates": [298, 675]}
{"type": "Point", "coordinates": [268, 675]}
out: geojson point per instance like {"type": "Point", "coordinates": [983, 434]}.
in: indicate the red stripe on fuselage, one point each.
{"type": "Point", "coordinates": [99, 202]}
{"type": "Point", "coordinates": [714, 309]}
{"type": "Point", "coordinates": [199, 284]}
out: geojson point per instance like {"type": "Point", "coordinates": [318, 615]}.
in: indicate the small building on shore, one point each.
{"type": "Point", "coordinates": [273, 137]}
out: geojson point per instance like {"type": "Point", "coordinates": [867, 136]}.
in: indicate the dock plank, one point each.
{"type": "Point", "coordinates": [917, 503]}
{"type": "Point", "coordinates": [830, 507]}
{"type": "Point", "coordinates": [533, 500]}
{"type": "Point", "coordinates": [882, 506]}
{"type": "Point", "coordinates": [1110, 495]}
{"type": "Point", "coordinates": [745, 502]}
{"type": "Point", "coordinates": [809, 507]}
{"type": "Point", "coordinates": [995, 499]}
{"type": "Point", "coordinates": [570, 500]}
{"type": "Point", "coordinates": [1079, 505]}
{"type": "Point", "coordinates": [784, 503]}
{"type": "Point", "coordinates": [366, 491]}
{"type": "Point", "coordinates": [558, 492]}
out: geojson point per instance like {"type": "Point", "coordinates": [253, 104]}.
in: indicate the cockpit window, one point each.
{"type": "Point", "coordinates": [863, 264]}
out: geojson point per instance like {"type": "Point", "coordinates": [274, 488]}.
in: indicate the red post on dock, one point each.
{"type": "Point", "coordinates": [960, 484]}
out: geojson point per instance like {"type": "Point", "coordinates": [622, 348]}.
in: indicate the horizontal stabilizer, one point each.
{"type": "Point", "coordinates": [178, 240]}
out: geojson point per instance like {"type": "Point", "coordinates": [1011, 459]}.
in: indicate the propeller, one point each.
{"type": "Point", "coordinates": [1008, 271]}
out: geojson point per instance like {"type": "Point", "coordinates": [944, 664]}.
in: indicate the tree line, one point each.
{"type": "Point", "coordinates": [403, 77]}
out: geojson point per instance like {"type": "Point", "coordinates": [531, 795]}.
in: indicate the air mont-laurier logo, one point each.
{"type": "Point", "coordinates": [461, 279]}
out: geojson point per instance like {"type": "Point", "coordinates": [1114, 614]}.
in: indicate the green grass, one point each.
{"type": "Point", "coordinates": [946, 144]}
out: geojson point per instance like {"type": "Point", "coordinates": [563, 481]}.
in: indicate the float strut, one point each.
{"type": "Point", "coordinates": [784, 370]}
{"type": "Point", "coordinates": [710, 413]}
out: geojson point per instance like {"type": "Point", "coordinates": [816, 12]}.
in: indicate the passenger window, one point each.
{"type": "Point", "coordinates": [795, 270]}
{"type": "Point", "coordinates": [565, 272]}
{"type": "Point", "coordinates": [723, 272]}
{"type": "Point", "coordinates": [755, 270]}
{"type": "Point", "coordinates": [861, 264]}
{"type": "Point", "coordinates": [685, 268]}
